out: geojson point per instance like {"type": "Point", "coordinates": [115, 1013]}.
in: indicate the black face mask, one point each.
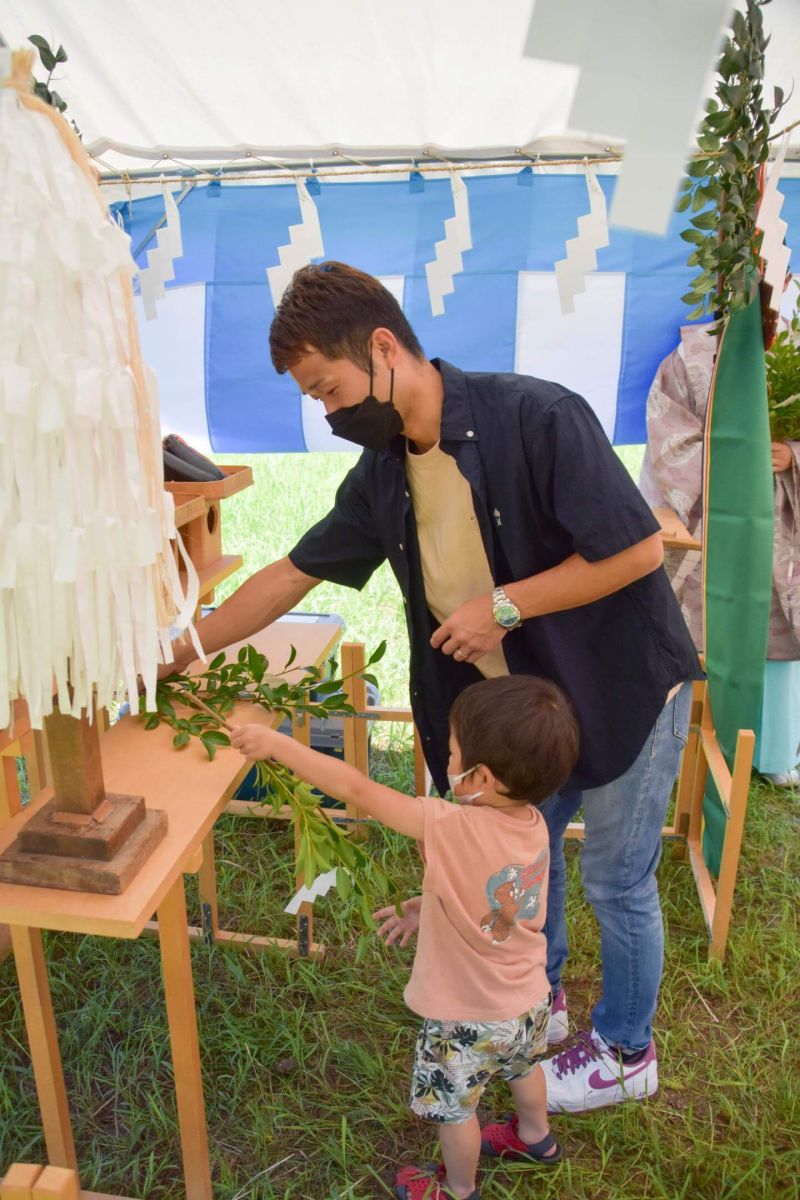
{"type": "Point", "coordinates": [373, 423]}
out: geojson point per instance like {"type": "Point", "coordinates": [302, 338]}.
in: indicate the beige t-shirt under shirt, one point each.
{"type": "Point", "coordinates": [454, 563]}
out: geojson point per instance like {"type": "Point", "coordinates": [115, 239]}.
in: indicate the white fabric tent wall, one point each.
{"type": "Point", "coordinates": [298, 77]}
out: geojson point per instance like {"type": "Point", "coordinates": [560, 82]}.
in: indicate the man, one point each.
{"type": "Point", "coordinates": [520, 544]}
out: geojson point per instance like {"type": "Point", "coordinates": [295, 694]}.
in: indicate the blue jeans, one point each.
{"type": "Point", "coordinates": [621, 849]}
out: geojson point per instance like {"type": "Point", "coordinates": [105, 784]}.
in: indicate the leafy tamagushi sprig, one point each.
{"type": "Point", "coordinates": [198, 705]}
{"type": "Point", "coordinates": [722, 187]}
{"type": "Point", "coordinates": [50, 60]}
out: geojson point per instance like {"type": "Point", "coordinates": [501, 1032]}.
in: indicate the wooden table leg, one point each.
{"type": "Point", "coordinates": [356, 729]}
{"type": "Point", "coordinates": [207, 887]}
{"type": "Point", "coordinates": [40, 1023]}
{"type": "Point", "coordinates": [9, 806]}
{"type": "Point", "coordinates": [176, 967]}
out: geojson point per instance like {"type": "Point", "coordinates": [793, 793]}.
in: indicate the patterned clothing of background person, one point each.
{"type": "Point", "coordinates": [672, 475]}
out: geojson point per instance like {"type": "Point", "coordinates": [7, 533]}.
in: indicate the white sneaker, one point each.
{"type": "Point", "coordinates": [784, 778]}
{"type": "Point", "coordinates": [590, 1075]}
{"type": "Point", "coordinates": [558, 1029]}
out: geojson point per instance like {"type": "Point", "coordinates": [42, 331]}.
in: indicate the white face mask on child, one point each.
{"type": "Point", "coordinates": [454, 780]}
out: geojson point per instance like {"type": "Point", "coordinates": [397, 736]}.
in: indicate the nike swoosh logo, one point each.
{"type": "Point", "coordinates": [596, 1080]}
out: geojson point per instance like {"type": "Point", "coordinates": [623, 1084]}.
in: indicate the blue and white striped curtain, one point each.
{"type": "Point", "coordinates": [209, 344]}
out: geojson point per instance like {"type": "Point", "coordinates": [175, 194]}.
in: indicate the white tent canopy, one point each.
{"type": "Point", "coordinates": [165, 88]}
{"type": "Point", "coordinates": [208, 80]}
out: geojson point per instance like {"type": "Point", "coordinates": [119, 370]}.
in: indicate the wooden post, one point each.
{"type": "Point", "coordinates": [301, 729]}
{"type": "Point", "coordinates": [18, 1181]}
{"type": "Point", "coordinates": [731, 846]}
{"type": "Point", "coordinates": [176, 968]}
{"type": "Point", "coordinates": [9, 805]}
{"type": "Point", "coordinates": [40, 1023]}
{"type": "Point", "coordinates": [207, 887]}
{"type": "Point", "coordinates": [356, 729]}
{"type": "Point", "coordinates": [74, 745]}
{"type": "Point", "coordinates": [700, 775]}
{"type": "Point", "coordinates": [686, 777]}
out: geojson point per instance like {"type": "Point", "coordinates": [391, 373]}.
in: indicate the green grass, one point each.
{"type": "Point", "coordinates": [306, 1066]}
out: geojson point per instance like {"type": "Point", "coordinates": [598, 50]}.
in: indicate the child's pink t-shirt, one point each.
{"type": "Point", "coordinates": [481, 953]}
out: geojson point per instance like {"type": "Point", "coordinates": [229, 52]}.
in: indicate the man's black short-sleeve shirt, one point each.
{"type": "Point", "coordinates": [546, 484]}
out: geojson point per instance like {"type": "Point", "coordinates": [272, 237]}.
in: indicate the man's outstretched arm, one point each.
{"type": "Point", "coordinates": [267, 595]}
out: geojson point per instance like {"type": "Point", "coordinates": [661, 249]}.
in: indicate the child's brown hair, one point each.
{"type": "Point", "coordinates": [523, 728]}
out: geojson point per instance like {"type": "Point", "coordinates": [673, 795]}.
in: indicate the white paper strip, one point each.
{"type": "Point", "coordinates": [89, 585]}
{"type": "Point", "coordinates": [448, 261]}
{"type": "Point", "coordinates": [774, 252]}
{"type": "Point", "coordinates": [307, 895]}
{"type": "Point", "coordinates": [582, 250]}
{"type": "Point", "coordinates": [305, 243]}
{"type": "Point", "coordinates": [645, 68]}
{"type": "Point", "coordinates": [160, 260]}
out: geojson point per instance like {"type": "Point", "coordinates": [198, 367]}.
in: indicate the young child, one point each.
{"type": "Point", "coordinates": [478, 979]}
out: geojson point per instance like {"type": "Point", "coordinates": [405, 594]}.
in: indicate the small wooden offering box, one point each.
{"type": "Point", "coordinates": [202, 536]}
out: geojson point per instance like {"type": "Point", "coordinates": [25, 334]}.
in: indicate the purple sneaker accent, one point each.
{"type": "Point", "coordinates": [589, 1074]}
{"type": "Point", "coordinates": [598, 1080]}
{"type": "Point", "coordinates": [558, 1028]}
{"type": "Point", "coordinates": [582, 1052]}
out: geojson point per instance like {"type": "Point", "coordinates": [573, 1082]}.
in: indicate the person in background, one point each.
{"type": "Point", "coordinates": [672, 476]}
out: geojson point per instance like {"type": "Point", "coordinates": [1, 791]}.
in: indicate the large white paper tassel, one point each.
{"type": "Point", "coordinates": [448, 261]}
{"type": "Point", "coordinates": [89, 586]}
{"type": "Point", "coordinates": [305, 243]}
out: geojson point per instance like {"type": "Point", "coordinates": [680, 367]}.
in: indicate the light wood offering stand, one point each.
{"type": "Point", "coordinates": [193, 792]}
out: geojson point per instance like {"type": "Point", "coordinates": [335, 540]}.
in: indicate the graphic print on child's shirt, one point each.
{"type": "Point", "coordinates": [514, 894]}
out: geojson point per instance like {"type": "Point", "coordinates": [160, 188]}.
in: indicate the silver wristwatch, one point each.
{"type": "Point", "coordinates": [504, 610]}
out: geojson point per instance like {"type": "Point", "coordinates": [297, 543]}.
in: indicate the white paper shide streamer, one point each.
{"type": "Point", "coordinates": [88, 580]}
{"type": "Point", "coordinates": [307, 895]}
{"type": "Point", "coordinates": [775, 253]}
{"type": "Point", "coordinates": [160, 260]}
{"type": "Point", "coordinates": [448, 261]}
{"type": "Point", "coordinates": [305, 243]}
{"type": "Point", "coordinates": [644, 69]}
{"type": "Point", "coordinates": [582, 250]}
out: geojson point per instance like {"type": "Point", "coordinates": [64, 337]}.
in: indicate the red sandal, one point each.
{"type": "Point", "coordinates": [502, 1140]}
{"type": "Point", "coordinates": [425, 1183]}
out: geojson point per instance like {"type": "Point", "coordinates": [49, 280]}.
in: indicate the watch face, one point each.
{"type": "Point", "coordinates": [506, 615]}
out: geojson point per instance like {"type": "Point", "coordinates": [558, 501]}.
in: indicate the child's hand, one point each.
{"type": "Point", "coordinates": [254, 741]}
{"type": "Point", "coordinates": [395, 927]}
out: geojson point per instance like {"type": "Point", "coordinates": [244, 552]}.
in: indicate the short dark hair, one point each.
{"type": "Point", "coordinates": [335, 309]}
{"type": "Point", "coordinates": [523, 728]}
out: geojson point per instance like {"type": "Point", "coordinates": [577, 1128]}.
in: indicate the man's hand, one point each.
{"type": "Point", "coordinates": [470, 632]}
{"type": "Point", "coordinates": [395, 927]}
{"type": "Point", "coordinates": [781, 457]}
{"type": "Point", "coordinates": [256, 742]}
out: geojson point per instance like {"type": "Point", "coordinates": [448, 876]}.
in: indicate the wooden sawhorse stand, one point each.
{"type": "Point", "coordinates": [193, 792]}
{"type": "Point", "coordinates": [702, 756]}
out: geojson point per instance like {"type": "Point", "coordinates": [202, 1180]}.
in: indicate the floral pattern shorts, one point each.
{"type": "Point", "coordinates": [454, 1060]}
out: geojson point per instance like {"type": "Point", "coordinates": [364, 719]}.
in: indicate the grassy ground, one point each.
{"type": "Point", "coordinates": [306, 1066]}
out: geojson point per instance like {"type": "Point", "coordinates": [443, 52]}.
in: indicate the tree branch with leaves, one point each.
{"type": "Point", "coordinates": [722, 185]}
{"type": "Point", "coordinates": [198, 706]}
